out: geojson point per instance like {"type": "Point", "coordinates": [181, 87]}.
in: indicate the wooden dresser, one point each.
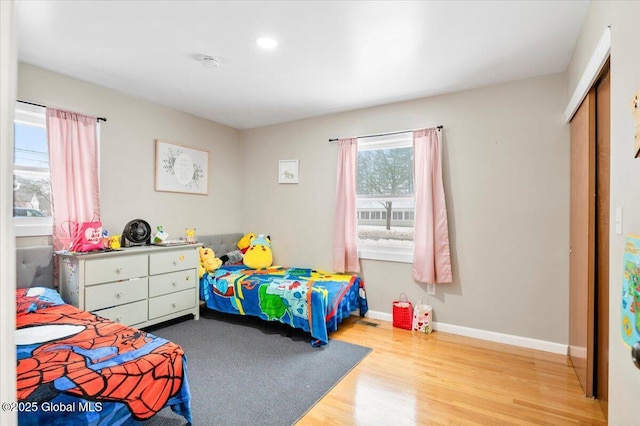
{"type": "Point", "coordinates": [137, 286]}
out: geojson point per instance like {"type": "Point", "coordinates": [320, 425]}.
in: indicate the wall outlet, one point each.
{"type": "Point", "coordinates": [431, 289]}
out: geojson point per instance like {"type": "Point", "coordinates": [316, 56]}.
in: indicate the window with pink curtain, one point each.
{"type": "Point", "coordinates": [431, 257]}
{"type": "Point", "coordinates": [345, 235]}
{"type": "Point", "coordinates": [73, 162]}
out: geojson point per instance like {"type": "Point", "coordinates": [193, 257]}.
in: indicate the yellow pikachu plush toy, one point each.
{"type": "Point", "coordinates": [114, 242]}
{"type": "Point", "coordinates": [208, 261]}
{"type": "Point", "coordinates": [245, 242]}
{"type": "Point", "coordinates": [191, 235]}
{"type": "Point", "coordinates": [259, 254]}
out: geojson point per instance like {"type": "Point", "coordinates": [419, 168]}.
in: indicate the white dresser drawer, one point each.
{"type": "Point", "coordinates": [119, 285]}
{"type": "Point", "coordinates": [115, 269]}
{"type": "Point", "coordinates": [113, 294]}
{"type": "Point", "coordinates": [129, 314]}
{"type": "Point", "coordinates": [171, 282]}
{"type": "Point", "coordinates": [170, 303]}
{"type": "Point", "coordinates": [171, 261]}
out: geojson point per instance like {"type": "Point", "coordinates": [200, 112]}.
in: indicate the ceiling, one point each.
{"type": "Point", "coordinates": [332, 56]}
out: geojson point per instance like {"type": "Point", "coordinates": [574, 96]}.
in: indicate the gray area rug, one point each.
{"type": "Point", "coordinates": [245, 371]}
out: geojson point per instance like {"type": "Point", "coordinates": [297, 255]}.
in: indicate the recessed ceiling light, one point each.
{"type": "Point", "coordinates": [266, 42]}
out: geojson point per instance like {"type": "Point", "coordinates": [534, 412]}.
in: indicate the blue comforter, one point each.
{"type": "Point", "coordinates": [307, 299]}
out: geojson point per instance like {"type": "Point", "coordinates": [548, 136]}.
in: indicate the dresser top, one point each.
{"type": "Point", "coordinates": [146, 249]}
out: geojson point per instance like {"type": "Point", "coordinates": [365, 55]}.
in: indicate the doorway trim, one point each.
{"type": "Point", "coordinates": [591, 73]}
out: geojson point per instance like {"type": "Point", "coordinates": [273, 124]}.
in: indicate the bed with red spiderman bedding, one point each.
{"type": "Point", "coordinates": [76, 368]}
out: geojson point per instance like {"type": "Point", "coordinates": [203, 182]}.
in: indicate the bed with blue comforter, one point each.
{"type": "Point", "coordinates": [307, 299]}
{"type": "Point", "coordinates": [76, 368]}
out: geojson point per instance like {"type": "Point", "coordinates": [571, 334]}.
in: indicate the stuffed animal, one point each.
{"type": "Point", "coordinates": [208, 261]}
{"type": "Point", "coordinates": [191, 235]}
{"type": "Point", "coordinates": [114, 242]}
{"type": "Point", "coordinates": [161, 236]}
{"type": "Point", "coordinates": [259, 254]}
{"type": "Point", "coordinates": [245, 242]}
{"type": "Point", "coordinates": [234, 257]}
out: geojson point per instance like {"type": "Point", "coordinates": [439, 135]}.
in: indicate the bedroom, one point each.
{"type": "Point", "coordinates": [489, 136]}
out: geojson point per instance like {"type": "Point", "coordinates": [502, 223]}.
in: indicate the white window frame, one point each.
{"type": "Point", "coordinates": [31, 115]}
{"type": "Point", "coordinates": [36, 115]}
{"type": "Point", "coordinates": [386, 253]}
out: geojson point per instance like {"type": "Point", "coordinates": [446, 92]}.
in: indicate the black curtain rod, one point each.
{"type": "Point", "coordinates": [44, 106]}
{"type": "Point", "coordinates": [383, 134]}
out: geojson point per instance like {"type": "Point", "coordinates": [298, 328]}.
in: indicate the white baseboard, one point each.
{"type": "Point", "coordinates": [524, 342]}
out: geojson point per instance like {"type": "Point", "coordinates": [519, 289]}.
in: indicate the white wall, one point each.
{"type": "Point", "coordinates": [8, 74]}
{"type": "Point", "coordinates": [127, 150]}
{"type": "Point", "coordinates": [623, 18]}
{"type": "Point", "coordinates": [506, 172]}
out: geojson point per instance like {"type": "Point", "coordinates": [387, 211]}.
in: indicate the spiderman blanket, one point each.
{"type": "Point", "coordinates": [307, 299]}
{"type": "Point", "coordinates": [76, 368]}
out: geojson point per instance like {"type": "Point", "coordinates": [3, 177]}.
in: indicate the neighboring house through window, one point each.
{"type": "Point", "coordinates": [31, 180]}
{"type": "Point", "coordinates": [385, 197]}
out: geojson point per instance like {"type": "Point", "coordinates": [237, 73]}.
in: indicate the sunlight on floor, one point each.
{"type": "Point", "coordinates": [377, 403]}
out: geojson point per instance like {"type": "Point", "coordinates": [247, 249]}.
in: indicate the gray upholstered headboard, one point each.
{"type": "Point", "coordinates": [34, 267]}
{"type": "Point", "coordinates": [220, 244]}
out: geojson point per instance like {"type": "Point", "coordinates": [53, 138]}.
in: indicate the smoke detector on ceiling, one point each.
{"type": "Point", "coordinates": [209, 61]}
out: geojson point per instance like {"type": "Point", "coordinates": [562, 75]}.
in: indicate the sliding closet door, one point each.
{"type": "Point", "coordinates": [582, 243]}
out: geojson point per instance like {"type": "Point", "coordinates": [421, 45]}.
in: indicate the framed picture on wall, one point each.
{"type": "Point", "coordinates": [288, 171]}
{"type": "Point", "coordinates": [181, 169]}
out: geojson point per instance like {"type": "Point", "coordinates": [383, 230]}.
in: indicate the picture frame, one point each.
{"type": "Point", "coordinates": [181, 168]}
{"type": "Point", "coordinates": [288, 171]}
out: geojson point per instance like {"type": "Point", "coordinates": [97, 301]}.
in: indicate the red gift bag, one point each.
{"type": "Point", "coordinates": [402, 313]}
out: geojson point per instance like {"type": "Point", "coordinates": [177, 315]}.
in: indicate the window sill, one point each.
{"type": "Point", "coordinates": [389, 254]}
{"type": "Point", "coordinates": [24, 228]}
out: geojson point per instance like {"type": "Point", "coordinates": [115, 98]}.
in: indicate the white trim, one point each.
{"type": "Point", "coordinates": [523, 342]}
{"type": "Point", "coordinates": [382, 316]}
{"type": "Point", "coordinates": [32, 226]}
{"type": "Point", "coordinates": [32, 115]}
{"type": "Point", "coordinates": [389, 254]}
{"type": "Point", "coordinates": [591, 72]}
{"type": "Point", "coordinates": [509, 339]}
{"type": "Point", "coordinates": [8, 86]}
{"type": "Point", "coordinates": [394, 140]}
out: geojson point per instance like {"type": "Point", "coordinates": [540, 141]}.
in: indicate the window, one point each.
{"type": "Point", "coordinates": [31, 182]}
{"type": "Point", "coordinates": [384, 186]}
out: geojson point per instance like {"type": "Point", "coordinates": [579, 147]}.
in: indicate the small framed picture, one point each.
{"type": "Point", "coordinates": [288, 171]}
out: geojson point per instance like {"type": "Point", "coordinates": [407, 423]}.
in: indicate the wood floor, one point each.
{"type": "Point", "coordinates": [416, 379]}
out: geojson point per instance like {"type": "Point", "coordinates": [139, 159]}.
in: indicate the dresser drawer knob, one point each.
{"type": "Point", "coordinates": [175, 263]}
{"type": "Point", "coordinates": [187, 278]}
{"type": "Point", "coordinates": [118, 270]}
{"type": "Point", "coordinates": [174, 283]}
{"type": "Point", "coordinates": [173, 305]}
{"type": "Point", "coordinates": [119, 294]}
{"type": "Point", "coordinates": [118, 319]}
